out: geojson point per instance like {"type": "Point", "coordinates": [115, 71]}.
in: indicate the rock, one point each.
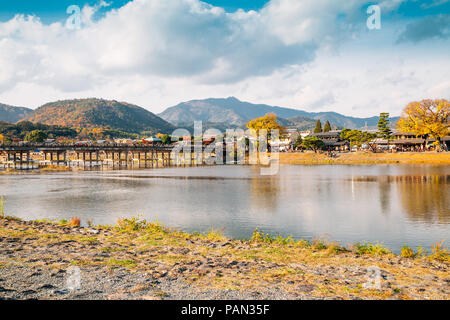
{"type": "Point", "coordinates": [27, 292]}
{"type": "Point", "coordinates": [306, 287]}
{"type": "Point", "coordinates": [60, 291]}
{"type": "Point", "coordinates": [46, 286]}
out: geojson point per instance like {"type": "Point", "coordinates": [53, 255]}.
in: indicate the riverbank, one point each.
{"type": "Point", "coordinates": [49, 168]}
{"type": "Point", "coordinates": [357, 158]}
{"type": "Point", "coordinates": [140, 260]}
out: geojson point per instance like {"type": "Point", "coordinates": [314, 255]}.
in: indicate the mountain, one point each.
{"type": "Point", "coordinates": [99, 113]}
{"type": "Point", "coordinates": [298, 122]}
{"type": "Point", "coordinates": [13, 114]}
{"type": "Point", "coordinates": [234, 112]}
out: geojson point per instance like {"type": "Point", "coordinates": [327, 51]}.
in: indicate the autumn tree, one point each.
{"type": "Point", "coordinates": [384, 131]}
{"type": "Point", "coordinates": [36, 136]}
{"type": "Point", "coordinates": [268, 122]}
{"type": "Point", "coordinates": [97, 132]}
{"type": "Point", "coordinates": [426, 117]}
{"type": "Point", "coordinates": [2, 138]}
{"type": "Point", "coordinates": [327, 127]}
{"type": "Point", "coordinates": [318, 128]}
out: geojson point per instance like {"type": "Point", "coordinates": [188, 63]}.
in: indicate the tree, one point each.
{"type": "Point", "coordinates": [313, 143]}
{"type": "Point", "coordinates": [36, 136]}
{"type": "Point", "coordinates": [97, 133]}
{"type": "Point", "coordinates": [384, 131]}
{"type": "Point", "coordinates": [2, 138]}
{"type": "Point", "coordinates": [427, 117]}
{"type": "Point", "coordinates": [357, 137]}
{"type": "Point", "coordinates": [166, 139]}
{"type": "Point", "coordinates": [268, 122]}
{"type": "Point", "coordinates": [327, 127]}
{"type": "Point", "coordinates": [298, 142]}
{"type": "Point", "coordinates": [318, 128]}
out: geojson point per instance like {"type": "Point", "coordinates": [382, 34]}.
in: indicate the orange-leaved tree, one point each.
{"type": "Point", "coordinates": [268, 122]}
{"type": "Point", "coordinates": [426, 117]}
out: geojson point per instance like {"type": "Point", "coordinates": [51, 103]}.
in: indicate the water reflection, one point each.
{"type": "Point", "coordinates": [384, 187]}
{"type": "Point", "coordinates": [264, 191]}
{"type": "Point", "coordinates": [391, 204]}
{"type": "Point", "coordinates": [425, 197]}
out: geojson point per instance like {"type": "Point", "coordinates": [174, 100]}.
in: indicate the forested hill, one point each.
{"type": "Point", "coordinates": [99, 113]}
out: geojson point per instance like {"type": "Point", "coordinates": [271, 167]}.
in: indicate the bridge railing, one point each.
{"type": "Point", "coordinates": [47, 146]}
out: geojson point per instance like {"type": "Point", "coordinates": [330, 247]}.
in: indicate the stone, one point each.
{"type": "Point", "coordinates": [306, 287]}
{"type": "Point", "coordinates": [60, 291]}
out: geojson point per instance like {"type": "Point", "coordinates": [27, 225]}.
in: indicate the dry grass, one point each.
{"type": "Point", "coordinates": [54, 168]}
{"type": "Point", "coordinates": [310, 158]}
{"type": "Point", "coordinates": [75, 222]}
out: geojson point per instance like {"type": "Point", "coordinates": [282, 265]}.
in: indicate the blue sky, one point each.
{"type": "Point", "coordinates": [54, 10]}
{"type": "Point", "coordinates": [316, 55]}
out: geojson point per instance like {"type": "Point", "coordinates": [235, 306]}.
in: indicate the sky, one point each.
{"type": "Point", "coordinates": [314, 55]}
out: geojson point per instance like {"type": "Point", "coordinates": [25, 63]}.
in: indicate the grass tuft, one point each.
{"type": "Point", "coordinates": [215, 235]}
{"type": "Point", "coordinates": [439, 252]}
{"type": "Point", "coordinates": [265, 238]}
{"type": "Point", "coordinates": [2, 212]}
{"type": "Point", "coordinates": [407, 252]}
{"type": "Point", "coordinates": [370, 248]}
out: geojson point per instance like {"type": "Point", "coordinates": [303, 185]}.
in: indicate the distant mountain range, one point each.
{"type": "Point", "coordinates": [99, 113]}
{"type": "Point", "coordinates": [13, 114]}
{"type": "Point", "coordinates": [234, 112]}
{"type": "Point", "coordinates": [214, 113]}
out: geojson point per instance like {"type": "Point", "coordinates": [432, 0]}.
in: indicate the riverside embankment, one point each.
{"type": "Point", "coordinates": [140, 260]}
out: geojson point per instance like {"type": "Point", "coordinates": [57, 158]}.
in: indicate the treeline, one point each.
{"type": "Point", "coordinates": [9, 131]}
{"type": "Point", "coordinates": [38, 132]}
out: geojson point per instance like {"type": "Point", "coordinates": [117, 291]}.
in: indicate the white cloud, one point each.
{"type": "Point", "coordinates": [156, 53]}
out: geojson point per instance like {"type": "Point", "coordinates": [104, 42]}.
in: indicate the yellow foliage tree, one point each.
{"type": "Point", "coordinates": [268, 122]}
{"type": "Point", "coordinates": [426, 117]}
{"type": "Point", "coordinates": [2, 138]}
{"type": "Point", "coordinates": [97, 132]}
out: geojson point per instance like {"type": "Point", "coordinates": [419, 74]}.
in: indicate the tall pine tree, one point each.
{"type": "Point", "coordinates": [318, 128]}
{"type": "Point", "coordinates": [327, 127]}
{"type": "Point", "coordinates": [384, 131]}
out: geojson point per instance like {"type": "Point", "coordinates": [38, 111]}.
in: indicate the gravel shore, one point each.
{"type": "Point", "coordinates": [40, 260]}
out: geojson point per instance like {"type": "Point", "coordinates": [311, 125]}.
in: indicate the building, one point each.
{"type": "Point", "coordinates": [332, 140]}
{"type": "Point", "coordinates": [408, 141]}
{"type": "Point", "coordinates": [151, 140]}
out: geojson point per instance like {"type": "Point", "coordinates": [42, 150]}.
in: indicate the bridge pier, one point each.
{"type": "Point", "coordinates": [154, 156]}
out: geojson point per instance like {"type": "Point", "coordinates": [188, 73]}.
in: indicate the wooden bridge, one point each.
{"type": "Point", "coordinates": [148, 156]}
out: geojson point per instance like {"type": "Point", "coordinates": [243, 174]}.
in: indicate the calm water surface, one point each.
{"type": "Point", "coordinates": [395, 205]}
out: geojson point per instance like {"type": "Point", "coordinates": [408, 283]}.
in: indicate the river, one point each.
{"type": "Point", "coordinates": [390, 204]}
